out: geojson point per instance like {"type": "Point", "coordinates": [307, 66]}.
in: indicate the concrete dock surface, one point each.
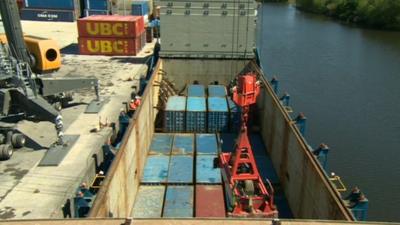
{"type": "Point", "coordinates": [31, 192]}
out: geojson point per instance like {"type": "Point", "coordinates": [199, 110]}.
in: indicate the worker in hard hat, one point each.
{"type": "Point", "coordinates": [133, 105]}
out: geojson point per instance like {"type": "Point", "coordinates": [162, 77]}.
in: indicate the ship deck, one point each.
{"type": "Point", "coordinates": [32, 191]}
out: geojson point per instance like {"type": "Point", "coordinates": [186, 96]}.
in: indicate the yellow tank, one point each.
{"type": "Point", "coordinates": [46, 52]}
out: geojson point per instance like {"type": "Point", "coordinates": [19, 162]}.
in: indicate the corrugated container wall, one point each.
{"type": "Point", "coordinates": [49, 15]}
{"type": "Point", "coordinates": [218, 114]}
{"type": "Point", "coordinates": [212, 34]}
{"type": "Point", "coordinates": [111, 26]}
{"type": "Point", "coordinates": [97, 4]}
{"type": "Point", "coordinates": [140, 8]}
{"type": "Point", "coordinates": [109, 46]}
{"type": "Point", "coordinates": [174, 120]}
{"type": "Point", "coordinates": [196, 113]}
{"type": "Point", "coordinates": [52, 4]}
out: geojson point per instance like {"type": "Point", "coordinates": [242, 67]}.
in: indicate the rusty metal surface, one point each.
{"type": "Point", "coordinates": [209, 201]}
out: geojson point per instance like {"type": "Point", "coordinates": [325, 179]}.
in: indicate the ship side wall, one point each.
{"type": "Point", "coordinates": [306, 187]}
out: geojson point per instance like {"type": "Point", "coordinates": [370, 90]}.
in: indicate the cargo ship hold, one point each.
{"type": "Point", "coordinates": [173, 162]}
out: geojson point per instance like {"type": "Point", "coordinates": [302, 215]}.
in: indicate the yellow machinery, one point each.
{"type": "Point", "coordinates": [45, 52]}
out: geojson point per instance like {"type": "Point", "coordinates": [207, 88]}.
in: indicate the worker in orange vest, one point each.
{"type": "Point", "coordinates": [134, 104]}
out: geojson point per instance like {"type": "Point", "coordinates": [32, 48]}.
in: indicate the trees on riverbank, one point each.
{"type": "Point", "coordinates": [382, 14]}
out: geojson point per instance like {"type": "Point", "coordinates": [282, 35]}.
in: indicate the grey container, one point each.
{"type": "Point", "coordinates": [148, 202]}
{"type": "Point", "coordinates": [216, 91]}
{"type": "Point", "coordinates": [218, 115]}
{"type": "Point", "coordinates": [174, 120]}
{"type": "Point", "coordinates": [196, 113]}
{"type": "Point", "coordinates": [183, 144]}
{"type": "Point", "coordinates": [207, 170]}
{"type": "Point", "coordinates": [235, 115]}
{"type": "Point", "coordinates": [206, 144]}
{"type": "Point", "coordinates": [180, 169]}
{"type": "Point", "coordinates": [161, 143]}
{"type": "Point", "coordinates": [196, 90]}
{"type": "Point", "coordinates": [156, 169]}
{"type": "Point", "coordinates": [178, 202]}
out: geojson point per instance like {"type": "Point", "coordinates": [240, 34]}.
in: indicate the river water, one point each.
{"type": "Point", "coordinates": [347, 82]}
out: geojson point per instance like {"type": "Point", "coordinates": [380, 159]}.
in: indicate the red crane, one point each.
{"type": "Point", "coordinates": [246, 193]}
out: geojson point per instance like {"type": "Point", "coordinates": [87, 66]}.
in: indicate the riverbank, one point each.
{"type": "Point", "coordinates": [378, 14]}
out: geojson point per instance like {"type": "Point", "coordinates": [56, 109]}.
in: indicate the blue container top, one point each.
{"type": "Point", "coordinates": [161, 143]}
{"type": "Point", "coordinates": [156, 169]}
{"type": "Point", "coordinates": [196, 104]}
{"type": "Point", "coordinates": [217, 104]}
{"type": "Point", "coordinates": [216, 91]}
{"type": "Point", "coordinates": [51, 4]}
{"type": "Point", "coordinates": [178, 201]}
{"type": "Point", "coordinates": [176, 103]}
{"type": "Point", "coordinates": [232, 105]}
{"type": "Point", "coordinates": [206, 170]}
{"type": "Point", "coordinates": [183, 144]}
{"type": "Point", "coordinates": [196, 90]}
{"type": "Point", "coordinates": [180, 169]}
{"type": "Point", "coordinates": [206, 144]}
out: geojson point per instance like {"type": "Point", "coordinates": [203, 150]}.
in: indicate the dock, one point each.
{"type": "Point", "coordinates": [31, 191]}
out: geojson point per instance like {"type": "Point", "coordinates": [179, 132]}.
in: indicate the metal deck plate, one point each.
{"type": "Point", "coordinates": [95, 106]}
{"type": "Point", "coordinates": [56, 154]}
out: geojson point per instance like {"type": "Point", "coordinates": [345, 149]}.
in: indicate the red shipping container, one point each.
{"type": "Point", "coordinates": [210, 201]}
{"type": "Point", "coordinates": [109, 46]}
{"type": "Point", "coordinates": [111, 26]}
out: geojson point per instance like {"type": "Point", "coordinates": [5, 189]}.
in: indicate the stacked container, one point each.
{"type": "Point", "coordinates": [216, 91]}
{"type": "Point", "coordinates": [96, 7]}
{"type": "Point", "coordinates": [196, 113]}
{"type": "Point", "coordinates": [175, 114]}
{"type": "Point", "coordinates": [218, 114]}
{"type": "Point", "coordinates": [234, 116]}
{"type": "Point", "coordinates": [196, 90]}
{"type": "Point", "coordinates": [110, 35]}
{"type": "Point", "coordinates": [51, 10]}
{"type": "Point", "coordinates": [132, 7]}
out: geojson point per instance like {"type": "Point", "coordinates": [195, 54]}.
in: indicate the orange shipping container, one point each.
{"type": "Point", "coordinates": [109, 46]}
{"type": "Point", "coordinates": [111, 26]}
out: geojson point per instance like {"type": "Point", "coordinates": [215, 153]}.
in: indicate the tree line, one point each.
{"type": "Point", "coordinates": [381, 14]}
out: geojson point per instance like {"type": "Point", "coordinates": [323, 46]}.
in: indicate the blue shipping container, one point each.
{"type": "Point", "coordinates": [196, 113]}
{"type": "Point", "coordinates": [178, 202]}
{"type": "Point", "coordinates": [140, 8]}
{"type": "Point", "coordinates": [180, 169]}
{"type": "Point", "coordinates": [196, 90]}
{"type": "Point", "coordinates": [95, 12]}
{"type": "Point", "coordinates": [174, 120]}
{"type": "Point", "coordinates": [218, 115]}
{"type": "Point", "coordinates": [156, 169]}
{"type": "Point", "coordinates": [148, 202]}
{"type": "Point", "coordinates": [48, 15]}
{"type": "Point", "coordinates": [207, 170]}
{"type": "Point", "coordinates": [183, 144]}
{"type": "Point", "coordinates": [52, 4]}
{"type": "Point", "coordinates": [97, 5]}
{"type": "Point", "coordinates": [206, 144]}
{"type": "Point", "coordinates": [235, 116]}
{"type": "Point", "coordinates": [216, 91]}
{"type": "Point", "coordinates": [161, 143]}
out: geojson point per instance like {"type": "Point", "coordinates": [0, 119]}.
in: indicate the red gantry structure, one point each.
{"type": "Point", "coordinates": [246, 193]}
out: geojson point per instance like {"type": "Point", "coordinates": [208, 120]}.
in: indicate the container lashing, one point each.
{"type": "Point", "coordinates": [249, 196]}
